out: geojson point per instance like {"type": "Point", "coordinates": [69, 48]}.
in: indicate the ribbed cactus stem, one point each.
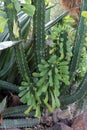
{"type": "Point", "coordinates": [11, 16]}
{"type": "Point", "coordinates": [19, 123]}
{"type": "Point", "coordinates": [39, 29]}
{"type": "Point", "coordinates": [17, 111]}
{"type": "Point", "coordinates": [19, 50]}
{"type": "Point", "coordinates": [22, 62]}
{"type": "Point", "coordinates": [78, 44]}
{"type": "Point", "coordinates": [8, 86]}
{"type": "Point", "coordinates": [80, 93]}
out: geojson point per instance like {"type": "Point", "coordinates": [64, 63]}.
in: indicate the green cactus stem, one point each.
{"type": "Point", "coordinates": [19, 123]}
{"type": "Point", "coordinates": [8, 86]}
{"type": "Point", "coordinates": [19, 50]}
{"type": "Point", "coordinates": [78, 44]}
{"type": "Point", "coordinates": [39, 30]}
{"type": "Point", "coordinates": [78, 95]}
{"type": "Point", "coordinates": [17, 111]}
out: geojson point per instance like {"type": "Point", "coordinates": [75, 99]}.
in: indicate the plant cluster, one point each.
{"type": "Point", "coordinates": [48, 59]}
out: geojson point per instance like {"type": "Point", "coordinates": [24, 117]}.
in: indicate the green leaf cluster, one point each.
{"type": "Point", "coordinates": [46, 86]}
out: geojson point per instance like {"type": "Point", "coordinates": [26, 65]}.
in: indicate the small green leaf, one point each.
{"type": "Point", "coordinates": [45, 87]}
{"type": "Point", "coordinates": [48, 106]}
{"type": "Point", "coordinates": [21, 88]}
{"type": "Point", "coordinates": [28, 110]}
{"type": "Point", "coordinates": [28, 1]}
{"type": "Point", "coordinates": [56, 70]}
{"type": "Point", "coordinates": [64, 69]}
{"type": "Point", "coordinates": [37, 96]}
{"type": "Point", "coordinates": [43, 73]}
{"type": "Point", "coordinates": [29, 9]}
{"type": "Point", "coordinates": [50, 78]}
{"type": "Point", "coordinates": [38, 111]}
{"type": "Point", "coordinates": [52, 59]}
{"type": "Point", "coordinates": [27, 78]}
{"type": "Point", "coordinates": [46, 98]}
{"type": "Point", "coordinates": [3, 23]}
{"type": "Point", "coordinates": [16, 29]}
{"type": "Point", "coordinates": [65, 79]}
{"type": "Point", "coordinates": [43, 67]}
{"type": "Point", "coordinates": [17, 5]}
{"type": "Point", "coordinates": [22, 93]}
{"type": "Point", "coordinates": [52, 50]}
{"type": "Point", "coordinates": [56, 92]}
{"type": "Point", "coordinates": [41, 81]}
{"type": "Point", "coordinates": [63, 63]}
{"type": "Point", "coordinates": [23, 99]}
{"type": "Point", "coordinates": [56, 81]}
{"type": "Point", "coordinates": [2, 105]}
{"type": "Point", "coordinates": [24, 83]}
{"type": "Point", "coordinates": [38, 93]}
{"type": "Point", "coordinates": [56, 100]}
{"type": "Point", "coordinates": [84, 14]}
{"type": "Point", "coordinates": [36, 74]}
{"type": "Point", "coordinates": [53, 100]}
{"type": "Point", "coordinates": [43, 62]}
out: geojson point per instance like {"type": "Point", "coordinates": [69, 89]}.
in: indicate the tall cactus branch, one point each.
{"type": "Point", "coordinates": [81, 91]}
{"type": "Point", "coordinates": [39, 30]}
{"type": "Point", "coordinates": [78, 44]}
{"type": "Point", "coordinates": [19, 50]}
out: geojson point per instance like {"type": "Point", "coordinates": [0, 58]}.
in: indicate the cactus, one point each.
{"type": "Point", "coordinates": [81, 90]}
{"type": "Point", "coordinates": [8, 86]}
{"type": "Point", "coordinates": [78, 95]}
{"type": "Point", "coordinates": [22, 62]}
{"type": "Point", "coordinates": [39, 30]}
{"type": "Point", "coordinates": [20, 114]}
{"type": "Point", "coordinates": [19, 123]}
{"type": "Point", "coordinates": [6, 67]}
{"type": "Point", "coordinates": [78, 44]}
{"type": "Point", "coordinates": [17, 111]}
{"type": "Point", "coordinates": [19, 51]}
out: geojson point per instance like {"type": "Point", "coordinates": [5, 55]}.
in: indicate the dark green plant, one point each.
{"type": "Point", "coordinates": [77, 46]}
{"type": "Point", "coordinates": [19, 123]}
{"type": "Point", "coordinates": [17, 111]}
{"type": "Point", "coordinates": [31, 92]}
